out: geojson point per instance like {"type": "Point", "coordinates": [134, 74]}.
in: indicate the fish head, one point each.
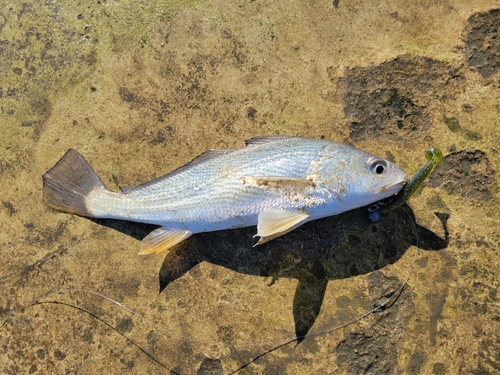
{"type": "Point", "coordinates": [368, 179]}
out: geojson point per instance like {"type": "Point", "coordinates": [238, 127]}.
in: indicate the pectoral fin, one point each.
{"type": "Point", "coordinates": [274, 223]}
{"type": "Point", "coordinates": [162, 239]}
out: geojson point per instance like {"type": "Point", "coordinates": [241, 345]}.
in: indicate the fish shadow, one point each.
{"type": "Point", "coordinates": [336, 247]}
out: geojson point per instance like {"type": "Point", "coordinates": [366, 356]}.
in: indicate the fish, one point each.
{"type": "Point", "coordinates": [276, 183]}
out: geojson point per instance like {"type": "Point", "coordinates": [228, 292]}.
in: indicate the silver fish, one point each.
{"type": "Point", "coordinates": [277, 183]}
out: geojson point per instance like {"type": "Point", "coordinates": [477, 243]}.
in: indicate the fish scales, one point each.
{"type": "Point", "coordinates": [276, 183]}
{"type": "Point", "coordinates": [214, 186]}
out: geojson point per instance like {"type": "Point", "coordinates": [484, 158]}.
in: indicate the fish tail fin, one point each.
{"type": "Point", "coordinates": [68, 183]}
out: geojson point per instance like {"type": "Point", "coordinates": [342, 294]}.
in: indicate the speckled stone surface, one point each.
{"type": "Point", "coordinates": [141, 87]}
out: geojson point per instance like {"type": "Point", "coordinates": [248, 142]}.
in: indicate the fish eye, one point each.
{"type": "Point", "coordinates": [377, 166]}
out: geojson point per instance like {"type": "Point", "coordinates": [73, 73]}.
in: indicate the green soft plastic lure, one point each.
{"type": "Point", "coordinates": [434, 157]}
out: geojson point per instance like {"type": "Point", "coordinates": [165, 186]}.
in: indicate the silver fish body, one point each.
{"type": "Point", "coordinates": [276, 183]}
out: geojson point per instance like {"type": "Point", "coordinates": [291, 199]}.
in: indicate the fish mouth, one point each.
{"type": "Point", "coordinates": [391, 188]}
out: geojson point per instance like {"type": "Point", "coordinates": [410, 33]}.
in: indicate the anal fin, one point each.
{"type": "Point", "coordinates": [162, 239]}
{"type": "Point", "coordinates": [274, 223]}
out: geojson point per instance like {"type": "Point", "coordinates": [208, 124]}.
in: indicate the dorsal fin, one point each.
{"type": "Point", "coordinates": [207, 155]}
{"type": "Point", "coordinates": [255, 141]}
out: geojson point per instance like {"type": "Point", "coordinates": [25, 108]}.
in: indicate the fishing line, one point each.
{"type": "Point", "coordinates": [38, 301]}
{"type": "Point", "coordinates": [242, 345]}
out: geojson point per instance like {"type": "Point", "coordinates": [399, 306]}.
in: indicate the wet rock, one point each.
{"type": "Point", "coordinates": [481, 42]}
{"type": "Point", "coordinates": [467, 173]}
{"type": "Point", "coordinates": [210, 367]}
{"type": "Point", "coordinates": [394, 99]}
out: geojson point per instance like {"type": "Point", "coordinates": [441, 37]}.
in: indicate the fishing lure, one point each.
{"type": "Point", "coordinates": [434, 157]}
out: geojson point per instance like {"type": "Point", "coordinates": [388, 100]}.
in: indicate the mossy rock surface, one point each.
{"type": "Point", "coordinates": [142, 87]}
